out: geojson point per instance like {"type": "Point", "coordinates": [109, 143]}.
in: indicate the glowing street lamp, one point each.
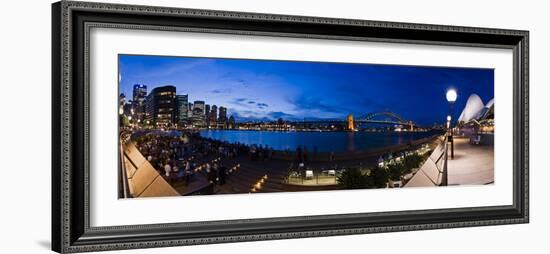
{"type": "Point", "coordinates": [451, 95]}
{"type": "Point", "coordinates": [451, 98]}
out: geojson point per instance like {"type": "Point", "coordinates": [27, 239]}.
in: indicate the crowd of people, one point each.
{"type": "Point", "coordinates": [260, 152]}
{"type": "Point", "coordinates": [169, 155]}
{"type": "Point", "coordinates": [176, 155]}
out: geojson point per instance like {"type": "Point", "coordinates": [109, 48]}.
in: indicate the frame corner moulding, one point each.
{"type": "Point", "coordinates": [71, 229]}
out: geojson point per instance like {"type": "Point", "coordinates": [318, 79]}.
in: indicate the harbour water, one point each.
{"type": "Point", "coordinates": [316, 141]}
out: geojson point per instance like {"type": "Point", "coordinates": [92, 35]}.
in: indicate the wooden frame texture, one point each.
{"type": "Point", "coordinates": [71, 23]}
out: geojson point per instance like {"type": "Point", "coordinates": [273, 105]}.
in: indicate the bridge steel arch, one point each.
{"type": "Point", "coordinates": [367, 118]}
{"type": "Point", "coordinates": [371, 116]}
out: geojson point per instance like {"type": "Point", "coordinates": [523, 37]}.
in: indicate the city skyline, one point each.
{"type": "Point", "coordinates": [268, 89]}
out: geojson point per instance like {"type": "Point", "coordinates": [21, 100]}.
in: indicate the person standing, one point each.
{"type": "Point", "coordinates": [222, 173]}
{"type": "Point", "coordinates": [215, 172]}
{"type": "Point", "coordinates": [167, 169]}
{"type": "Point", "coordinates": [187, 173]}
{"type": "Point", "coordinates": [209, 174]}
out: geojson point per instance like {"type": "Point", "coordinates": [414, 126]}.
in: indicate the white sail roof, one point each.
{"type": "Point", "coordinates": [473, 106]}
{"type": "Point", "coordinates": [483, 113]}
{"type": "Point", "coordinates": [490, 103]}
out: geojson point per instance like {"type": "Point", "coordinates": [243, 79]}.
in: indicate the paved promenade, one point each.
{"type": "Point", "coordinates": [472, 165]}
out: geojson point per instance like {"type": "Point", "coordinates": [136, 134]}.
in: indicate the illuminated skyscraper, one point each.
{"type": "Point", "coordinates": [207, 114]}
{"type": "Point", "coordinates": [160, 105]}
{"type": "Point", "coordinates": [198, 108]}
{"type": "Point", "coordinates": [214, 115]}
{"type": "Point", "coordinates": [222, 118]}
{"type": "Point", "coordinates": [182, 105]}
{"type": "Point", "coordinates": [138, 101]}
{"type": "Point", "coordinates": [198, 118]}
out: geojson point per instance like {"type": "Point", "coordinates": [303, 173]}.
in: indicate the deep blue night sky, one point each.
{"type": "Point", "coordinates": [264, 89]}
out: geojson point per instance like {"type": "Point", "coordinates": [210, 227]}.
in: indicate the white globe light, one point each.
{"type": "Point", "coordinates": [451, 95]}
{"type": "Point", "coordinates": [448, 118]}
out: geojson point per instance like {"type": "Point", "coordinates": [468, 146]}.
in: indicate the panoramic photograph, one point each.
{"type": "Point", "coordinates": [205, 126]}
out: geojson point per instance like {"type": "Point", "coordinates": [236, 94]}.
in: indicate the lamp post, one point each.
{"type": "Point", "coordinates": [130, 121]}
{"type": "Point", "coordinates": [451, 98]}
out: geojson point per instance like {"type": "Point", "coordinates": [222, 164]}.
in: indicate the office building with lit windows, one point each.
{"type": "Point", "coordinates": [198, 117]}
{"type": "Point", "coordinates": [182, 105]}
{"type": "Point", "coordinates": [160, 106]}
{"type": "Point", "coordinates": [198, 108]}
{"type": "Point", "coordinates": [213, 116]}
{"type": "Point", "coordinates": [222, 117]}
{"type": "Point", "coordinates": [138, 101]}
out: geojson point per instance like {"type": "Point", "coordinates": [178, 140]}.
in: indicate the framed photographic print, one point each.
{"type": "Point", "coordinates": [182, 126]}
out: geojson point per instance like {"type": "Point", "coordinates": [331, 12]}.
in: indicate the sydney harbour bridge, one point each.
{"type": "Point", "coordinates": [351, 123]}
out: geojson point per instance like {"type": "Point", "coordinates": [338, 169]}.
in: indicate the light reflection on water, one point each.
{"type": "Point", "coordinates": [313, 140]}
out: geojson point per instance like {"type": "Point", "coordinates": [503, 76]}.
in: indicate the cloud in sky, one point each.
{"type": "Point", "coordinates": [218, 91]}
{"type": "Point", "coordinates": [262, 105]}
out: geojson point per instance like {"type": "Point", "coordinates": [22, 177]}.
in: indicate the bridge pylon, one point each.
{"type": "Point", "coordinates": [351, 125]}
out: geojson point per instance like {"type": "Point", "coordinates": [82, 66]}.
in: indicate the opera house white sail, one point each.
{"type": "Point", "coordinates": [475, 109]}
